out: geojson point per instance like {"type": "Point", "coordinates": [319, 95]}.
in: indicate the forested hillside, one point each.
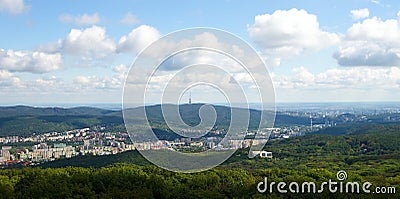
{"type": "Point", "coordinates": [24, 120]}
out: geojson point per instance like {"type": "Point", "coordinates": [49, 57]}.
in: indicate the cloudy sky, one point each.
{"type": "Point", "coordinates": [58, 52]}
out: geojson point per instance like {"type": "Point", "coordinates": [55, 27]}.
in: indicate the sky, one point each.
{"type": "Point", "coordinates": [79, 52]}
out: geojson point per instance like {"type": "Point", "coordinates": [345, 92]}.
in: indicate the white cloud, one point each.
{"type": "Point", "coordinates": [116, 81]}
{"type": "Point", "coordinates": [80, 20]}
{"type": "Point", "coordinates": [52, 47]}
{"type": "Point", "coordinates": [90, 44]}
{"type": "Point", "coordinates": [82, 47]}
{"type": "Point", "coordinates": [50, 85]}
{"type": "Point", "coordinates": [78, 87]}
{"type": "Point", "coordinates": [289, 32]}
{"type": "Point", "coordinates": [302, 76]}
{"type": "Point", "coordinates": [93, 83]}
{"type": "Point", "coordinates": [376, 2]}
{"type": "Point", "coordinates": [361, 77]}
{"type": "Point", "coordinates": [373, 42]}
{"type": "Point", "coordinates": [169, 46]}
{"type": "Point", "coordinates": [194, 57]}
{"type": "Point", "coordinates": [8, 79]}
{"type": "Point", "coordinates": [138, 39]}
{"type": "Point", "coordinates": [365, 78]}
{"type": "Point", "coordinates": [120, 69]}
{"type": "Point", "coordinates": [51, 89]}
{"type": "Point", "coordinates": [33, 62]}
{"type": "Point", "coordinates": [376, 30]}
{"type": "Point", "coordinates": [188, 58]}
{"type": "Point", "coordinates": [13, 6]}
{"type": "Point", "coordinates": [129, 19]}
{"type": "Point", "coordinates": [291, 29]}
{"type": "Point", "coordinates": [359, 14]}
{"type": "Point", "coordinates": [4, 75]}
{"type": "Point", "coordinates": [366, 53]}
{"type": "Point", "coordinates": [89, 82]}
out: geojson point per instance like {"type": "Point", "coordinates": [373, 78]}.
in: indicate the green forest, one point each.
{"type": "Point", "coordinates": [131, 181]}
{"type": "Point", "coordinates": [371, 156]}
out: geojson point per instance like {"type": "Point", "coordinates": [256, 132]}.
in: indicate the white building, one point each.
{"type": "Point", "coordinates": [262, 154]}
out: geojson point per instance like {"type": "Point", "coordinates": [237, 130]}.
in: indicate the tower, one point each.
{"type": "Point", "coordinates": [190, 98]}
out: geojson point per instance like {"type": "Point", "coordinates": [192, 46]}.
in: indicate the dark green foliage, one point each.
{"type": "Point", "coordinates": [130, 181]}
{"type": "Point", "coordinates": [16, 111]}
{"type": "Point", "coordinates": [132, 157]}
{"type": "Point", "coordinates": [24, 120]}
{"type": "Point", "coordinates": [360, 128]}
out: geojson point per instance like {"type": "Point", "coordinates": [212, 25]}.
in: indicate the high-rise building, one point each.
{"type": "Point", "coordinates": [5, 152]}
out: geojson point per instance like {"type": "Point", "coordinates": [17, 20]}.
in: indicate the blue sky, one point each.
{"type": "Point", "coordinates": [316, 51]}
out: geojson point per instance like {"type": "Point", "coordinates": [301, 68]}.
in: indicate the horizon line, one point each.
{"type": "Point", "coordinates": [119, 105]}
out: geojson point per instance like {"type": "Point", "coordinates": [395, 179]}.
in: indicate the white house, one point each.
{"type": "Point", "coordinates": [262, 154]}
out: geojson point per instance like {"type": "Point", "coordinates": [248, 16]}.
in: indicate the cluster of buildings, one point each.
{"type": "Point", "coordinates": [37, 149]}
{"type": "Point", "coordinates": [46, 147]}
{"type": "Point", "coordinates": [286, 132]}
{"type": "Point", "coordinates": [215, 141]}
{"type": "Point", "coordinates": [185, 144]}
{"type": "Point", "coordinates": [77, 135]}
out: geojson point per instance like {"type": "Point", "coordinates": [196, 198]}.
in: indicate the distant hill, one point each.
{"type": "Point", "coordinates": [189, 114]}
{"type": "Point", "coordinates": [25, 120]}
{"type": "Point", "coordinates": [15, 111]}
{"type": "Point", "coordinates": [360, 128]}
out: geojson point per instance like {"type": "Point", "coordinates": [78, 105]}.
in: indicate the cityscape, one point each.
{"type": "Point", "coordinates": [46, 147]}
{"type": "Point", "coordinates": [98, 141]}
{"type": "Point", "coordinates": [37, 149]}
{"type": "Point", "coordinates": [199, 99]}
